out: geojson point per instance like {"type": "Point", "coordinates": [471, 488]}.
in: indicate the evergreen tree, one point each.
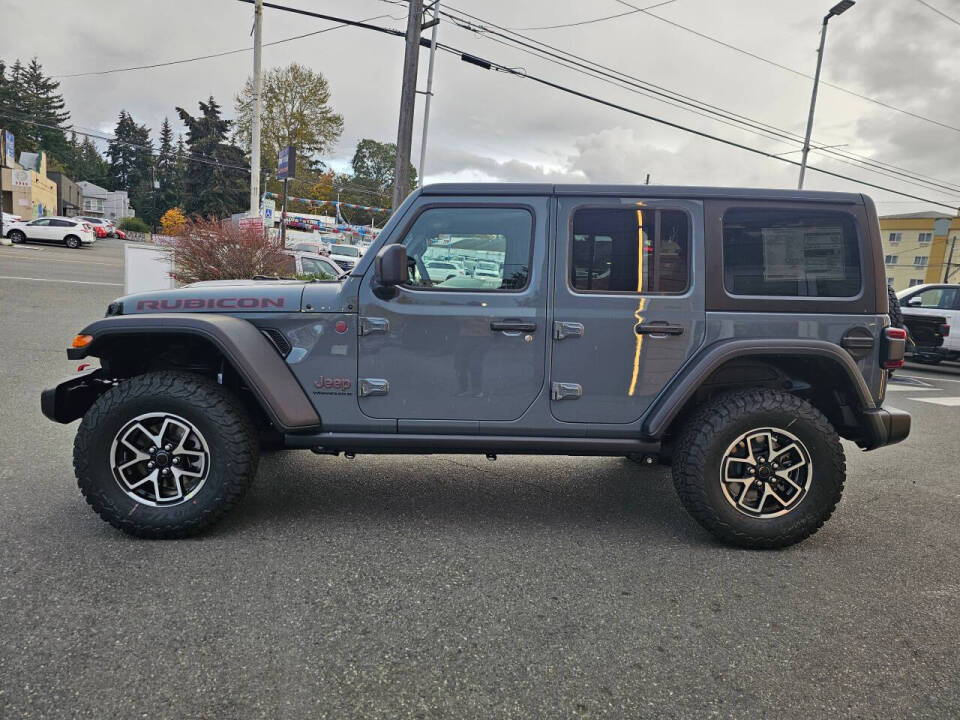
{"type": "Point", "coordinates": [216, 185]}
{"type": "Point", "coordinates": [34, 110]}
{"type": "Point", "coordinates": [131, 164]}
{"type": "Point", "coordinates": [166, 170]}
{"type": "Point", "coordinates": [181, 163]}
{"type": "Point", "coordinates": [92, 166]}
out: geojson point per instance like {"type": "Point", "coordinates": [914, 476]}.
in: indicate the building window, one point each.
{"type": "Point", "coordinates": [630, 251]}
{"type": "Point", "coordinates": [895, 237]}
{"type": "Point", "coordinates": [920, 260]}
{"type": "Point", "coordinates": [891, 259]}
{"type": "Point", "coordinates": [916, 281]}
{"type": "Point", "coordinates": [889, 282]}
{"type": "Point", "coordinates": [926, 237]}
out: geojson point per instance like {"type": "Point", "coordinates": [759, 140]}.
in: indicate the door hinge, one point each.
{"type": "Point", "coordinates": [566, 391]}
{"type": "Point", "coordinates": [371, 325]}
{"type": "Point", "coordinates": [373, 386]}
{"type": "Point", "coordinates": [563, 329]}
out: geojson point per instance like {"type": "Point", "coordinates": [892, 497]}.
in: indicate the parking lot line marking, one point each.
{"type": "Point", "coordinates": [76, 282]}
{"type": "Point", "coordinates": [905, 388]}
{"type": "Point", "coordinates": [61, 260]}
{"type": "Point", "coordinates": [948, 401]}
{"type": "Point", "coordinates": [935, 379]}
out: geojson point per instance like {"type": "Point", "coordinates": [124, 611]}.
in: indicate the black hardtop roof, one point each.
{"type": "Point", "coordinates": [648, 191]}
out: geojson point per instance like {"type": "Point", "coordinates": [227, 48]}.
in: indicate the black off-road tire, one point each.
{"type": "Point", "coordinates": [224, 423]}
{"type": "Point", "coordinates": [893, 308]}
{"type": "Point", "coordinates": [709, 432]}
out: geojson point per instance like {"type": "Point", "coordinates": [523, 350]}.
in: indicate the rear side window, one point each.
{"type": "Point", "coordinates": [792, 253]}
{"type": "Point", "coordinates": [630, 251]}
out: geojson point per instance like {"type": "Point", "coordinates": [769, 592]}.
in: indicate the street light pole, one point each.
{"type": "Point", "coordinates": [257, 109]}
{"type": "Point", "coordinates": [837, 9]}
{"type": "Point", "coordinates": [429, 92]}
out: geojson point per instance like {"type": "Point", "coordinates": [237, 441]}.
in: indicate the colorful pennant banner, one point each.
{"type": "Point", "coordinates": [319, 203]}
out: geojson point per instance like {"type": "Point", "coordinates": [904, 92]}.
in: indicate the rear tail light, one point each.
{"type": "Point", "coordinates": [893, 348]}
{"type": "Point", "coordinates": [945, 330]}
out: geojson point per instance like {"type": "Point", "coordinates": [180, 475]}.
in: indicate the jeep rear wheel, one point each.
{"type": "Point", "coordinates": [759, 468]}
{"type": "Point", "coordinates": [165, 455]}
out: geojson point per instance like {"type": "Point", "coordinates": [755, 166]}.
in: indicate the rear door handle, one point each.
{"type": "Point", "coordinates": [658, 328]}
{"type": "Point", "coordinates": [513, 326]}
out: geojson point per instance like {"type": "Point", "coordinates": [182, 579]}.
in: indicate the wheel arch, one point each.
{"type": "Point", "coordinates": [795, 366]}
{"type": "Point", "coordinates": [132, 344]}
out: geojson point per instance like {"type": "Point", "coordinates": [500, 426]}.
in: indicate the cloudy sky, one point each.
{"type": "Point", "coordinates": [493, 126]}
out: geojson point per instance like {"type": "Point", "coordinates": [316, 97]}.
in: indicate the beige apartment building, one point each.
{"type": "Point", "coordinates": [921, 248]}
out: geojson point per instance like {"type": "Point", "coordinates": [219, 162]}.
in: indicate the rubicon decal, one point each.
{"type": "Point", "coordinates": [228, 303]}
{"type": "Point", "coordinates": [332, 386]}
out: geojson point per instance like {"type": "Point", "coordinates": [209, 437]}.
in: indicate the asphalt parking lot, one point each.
{"type": "Point", "coordinates": [456, 587]}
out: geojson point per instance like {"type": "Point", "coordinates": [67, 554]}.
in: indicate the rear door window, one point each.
{"type": "Point", "coordinates": [790, 253]}
{"type": "Point", "coordinates": [630, 251]}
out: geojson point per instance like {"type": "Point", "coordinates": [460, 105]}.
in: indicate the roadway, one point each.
{"type": "Point", "coordinates": [456, 587]}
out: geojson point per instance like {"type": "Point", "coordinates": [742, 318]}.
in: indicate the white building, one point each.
{"type": "Point", "coordinates": [111, 204]}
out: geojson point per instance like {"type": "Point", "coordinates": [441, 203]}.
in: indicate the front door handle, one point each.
{"type": "Point", "coordinates": [513, 326]}
{"type": "Point", "coordinates": [658, 328]}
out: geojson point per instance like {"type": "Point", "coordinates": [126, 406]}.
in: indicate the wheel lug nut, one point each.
{"type": "Point", "coordinates": [152, 449]}
{"type": "Point", "coordinates": [150, 464]}
{"type": "Point", "coordinates": [168, 447]}
{"type": "Point", "coordinates": [176, 461]}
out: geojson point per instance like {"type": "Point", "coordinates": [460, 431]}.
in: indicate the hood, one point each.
{"type": "Point", "coordinates": [227, 296]}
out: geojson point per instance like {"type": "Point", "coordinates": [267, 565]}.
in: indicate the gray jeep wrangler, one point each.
{"type": "Point", "coordinates": [738, 334]}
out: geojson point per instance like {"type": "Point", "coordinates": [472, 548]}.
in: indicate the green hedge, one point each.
{"type": "Point", "coordinates": [135, 224]}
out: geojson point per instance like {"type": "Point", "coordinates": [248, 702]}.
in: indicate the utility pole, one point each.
{"type": "Point", "coordinates": [429, 93]}
{"type": "Point", "coordinates": [408, 94]}
{"type": "Point", "coordinates": [257, 109]}
{"type": "Point", "coordinates": [837, 9]}
{"type": "Point", "coordinates": [946, 274]}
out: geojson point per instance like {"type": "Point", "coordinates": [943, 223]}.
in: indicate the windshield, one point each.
{"type": "Point", "coordinates": [345, 250]}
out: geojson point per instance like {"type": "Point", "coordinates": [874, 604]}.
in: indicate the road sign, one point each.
{"type": "Point", "coordinates": [287, 163]}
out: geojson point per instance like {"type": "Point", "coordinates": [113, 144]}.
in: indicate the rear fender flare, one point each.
{"type": "Point", "coordinates": [666, 407]}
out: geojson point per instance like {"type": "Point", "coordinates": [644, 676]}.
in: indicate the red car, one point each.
{"type": "Point", "coordinates": [121, 234]}
{"type": "Point", "coordinates": [100, 230]}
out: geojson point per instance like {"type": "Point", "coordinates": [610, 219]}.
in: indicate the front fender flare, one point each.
{"type": "Point", "coordinates": [241, 343]}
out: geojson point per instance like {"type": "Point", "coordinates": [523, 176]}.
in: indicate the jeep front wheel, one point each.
{"type": "Point", "coordinates": [165, 455]}
{"type": "Point", "coordinates": [759, 468]}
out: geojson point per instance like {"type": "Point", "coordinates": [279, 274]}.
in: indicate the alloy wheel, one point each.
{"type": "Point", "coordinates": [160, 459]}
{"type": "Point", "coordinates": [766, 472]}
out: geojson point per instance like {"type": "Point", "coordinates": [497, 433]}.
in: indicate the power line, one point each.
{"type": "Point", "coordinates": [940, 12]}
{"type": "Point", "coordinates": [154, 152]}
{"type": "Point", "coordinates": [214, 55]}
{"type": "Point", "coordinates": [493, 65]}
{"type": "Point", "coordinates": [792, 70]}
{"type": "Point", "coordinates": [595, 20]}
{"type": "Point", "coordinates": [756, 126]}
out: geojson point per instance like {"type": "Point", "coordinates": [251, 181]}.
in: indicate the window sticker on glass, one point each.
{"type": "Point", "coordinates": [797, 253]}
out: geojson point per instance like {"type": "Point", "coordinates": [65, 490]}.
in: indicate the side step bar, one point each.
{"type": "Point", "coordinates": [465, 444]}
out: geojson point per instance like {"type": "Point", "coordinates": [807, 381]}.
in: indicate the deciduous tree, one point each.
{"type": "Point", "coordinates": [296, 111]}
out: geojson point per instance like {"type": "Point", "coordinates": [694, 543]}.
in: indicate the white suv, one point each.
{"type": "Point", "coordinates": [71, 232]}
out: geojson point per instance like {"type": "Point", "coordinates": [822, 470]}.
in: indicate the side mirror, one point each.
{"type": "Point", "coordinates": [915, 302]}
{"type": "Point", "coordinates": [391, 265]}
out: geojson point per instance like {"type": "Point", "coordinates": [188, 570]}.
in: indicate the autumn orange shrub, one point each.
{"type": "Point", "coordinates": [173, 221]}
